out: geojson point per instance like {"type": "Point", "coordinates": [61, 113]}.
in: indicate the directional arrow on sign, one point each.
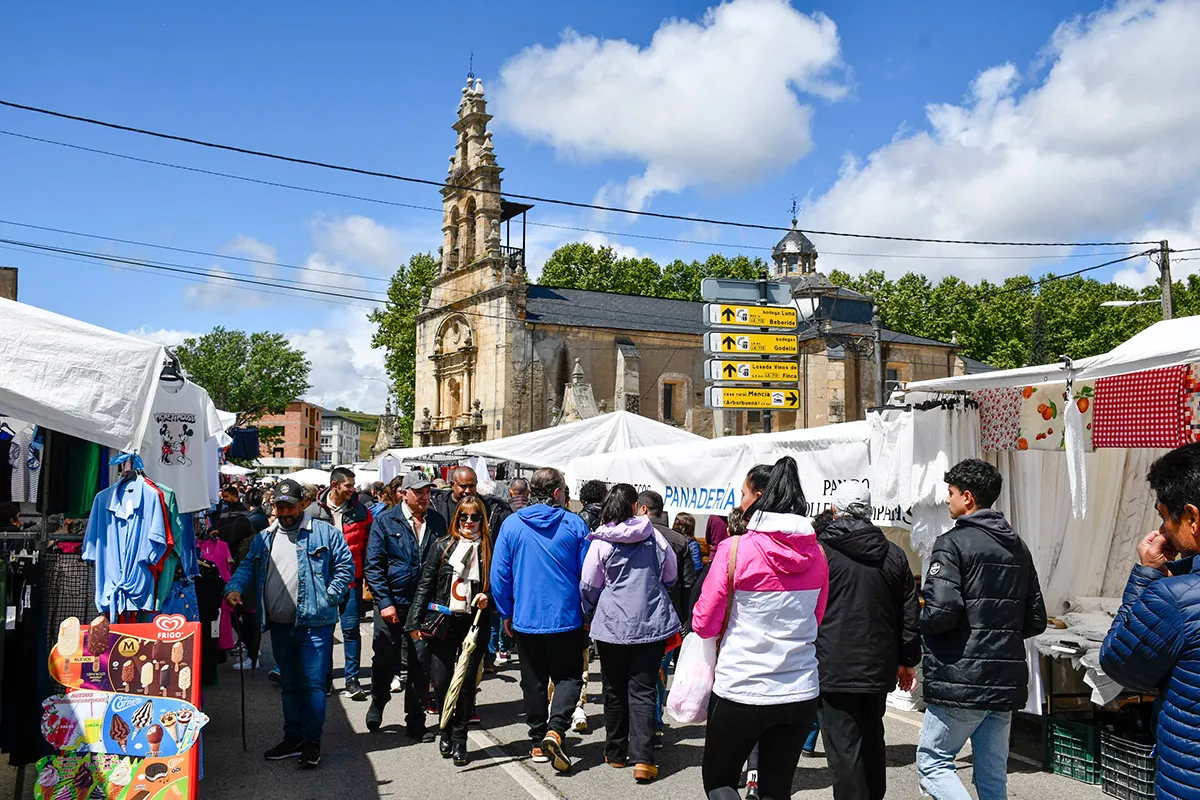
{"type": "Point", "coordinates": [730, 371]}
{"type": "Point", "coordinates": [728, 314]}
{"type": "Point", "coordinates": [729, 341]}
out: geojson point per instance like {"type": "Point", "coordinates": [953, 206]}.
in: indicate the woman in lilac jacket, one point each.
{"type": "Point", "coordinates": [626, 573]}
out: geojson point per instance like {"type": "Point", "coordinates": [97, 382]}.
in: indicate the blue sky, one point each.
{"type": "Point", "coordinates": [1027, 120]}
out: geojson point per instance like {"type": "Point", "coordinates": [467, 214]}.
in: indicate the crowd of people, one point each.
{"type": "Point", "coordinates": [818, 618]}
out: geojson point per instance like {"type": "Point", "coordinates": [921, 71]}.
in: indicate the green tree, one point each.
{"type": "Point", "coordinates": [252, 374]}
{"type": "Point", "coordinates": [396, 331]}
{"type": "Point", "coordinates": [584, 266]}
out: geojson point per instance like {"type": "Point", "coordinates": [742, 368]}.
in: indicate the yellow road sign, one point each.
{"type": "Point", "coordinates": [777, 399]}
{"type": "Point", "coordinates": [761, 344]}
{"type": "Point", "coordinates": [757, 371]}
{"type": "Point", "coordinates": [751, 316]}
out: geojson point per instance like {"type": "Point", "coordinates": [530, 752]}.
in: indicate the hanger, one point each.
{"type": "Point", "coordinates": [172, 370]}
{"type": "Point", "coordinates": [5, 429]}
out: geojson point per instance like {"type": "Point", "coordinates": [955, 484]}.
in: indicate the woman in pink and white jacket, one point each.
{"type": "Point", "coordinates": [766, 685]}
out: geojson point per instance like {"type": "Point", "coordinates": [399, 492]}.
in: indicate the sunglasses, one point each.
{"type": "Point", "coordinates": [471, 517]}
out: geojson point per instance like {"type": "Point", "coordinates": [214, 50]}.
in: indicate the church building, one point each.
{"type": "Point", "coordinates": [498, 355]}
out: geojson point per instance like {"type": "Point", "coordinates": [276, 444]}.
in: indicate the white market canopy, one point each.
{"type": "Point", "coordinates": [706, 476]}
{"type": "Point", "coordinates": [234, 469]}
{"type": "Point", "coordinates": [558, 446]}
{"type": "Point", "coordinates": [76, 378]}
{"type": "Point", "coordinates": [1164, 344]}
{"type": "Point", "coordinates": [309, 477]}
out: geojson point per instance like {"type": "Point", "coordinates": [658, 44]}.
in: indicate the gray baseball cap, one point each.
{"type": "Point", "coordinates": [415, 481]}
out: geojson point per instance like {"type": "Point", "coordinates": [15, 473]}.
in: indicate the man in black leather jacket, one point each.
{"type": "Point", "coordinates": [982, 601]}
{"type": "Point", "coordinates": [464, 482]}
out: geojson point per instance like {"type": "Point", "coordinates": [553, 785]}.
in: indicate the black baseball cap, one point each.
{"type": "Point", "coordinates": [288, 491]}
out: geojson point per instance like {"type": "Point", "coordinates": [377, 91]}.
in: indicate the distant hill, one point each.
{"type": "Point", "coordinates": [368, 426]}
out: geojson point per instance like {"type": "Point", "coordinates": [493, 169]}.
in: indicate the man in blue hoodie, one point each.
{"type": "Point", "coordinates": [535, 585]}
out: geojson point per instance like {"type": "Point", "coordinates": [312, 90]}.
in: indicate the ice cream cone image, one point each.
{"type": "Point", "coordinates": [119, 779]}
{"type": "Point", "coordinates": [168, 722]}
{"type": "Point", "coordinates": [182, 719]}
{"type": "Point", "coordinates": [143, 716]}
{"type": "Point", "coordinates": [118, 731]}
{"type": "Point", "coordinates": [154, 737]}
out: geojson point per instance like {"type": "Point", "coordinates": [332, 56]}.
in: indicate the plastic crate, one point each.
{"type": "Point", "coordinates": [1073, 749]}
{"type": "Point", "coordinates": [1127, 767]}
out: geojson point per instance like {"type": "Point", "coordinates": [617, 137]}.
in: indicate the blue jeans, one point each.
{"type": "Point", "coordinates": [302, 655]}
{"type": "Point", "coordinates": [351, 636]}
{"type": "Point", "coordinates": [499, 640]}
{"type": "Point", "coordinates": [810, 744]}
{"type": "Point", "coordinates": [945, 732]}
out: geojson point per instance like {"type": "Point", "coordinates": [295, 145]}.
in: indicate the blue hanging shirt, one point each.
{"type": "Point", "coordinates": [126, 535]}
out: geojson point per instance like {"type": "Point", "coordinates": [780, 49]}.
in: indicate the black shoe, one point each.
{"type": "Point", "coordinates": [658, 740]}
{"type": "Point", "coordinates": [288, 748]}
{"type": "Point", "coordinates": [310, 755]}
{"type": "Point", "coordinates": [460, 754]}
{"type": "Point", "coordinates": [274, 677]}
{"type": "Point", "coordinates": [374, 717]}
{"type": "Point", "coordinates": [445, 746]}
{"type": "Point", "coordinates": [355, 691]}
{"type": "Point", "coordinates": [329, 687]}
{"type": "Point", "coordinates": [422, 735]}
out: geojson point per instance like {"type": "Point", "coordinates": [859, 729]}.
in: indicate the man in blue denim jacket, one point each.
{"type": "Point", "coordinates": [300, 571]}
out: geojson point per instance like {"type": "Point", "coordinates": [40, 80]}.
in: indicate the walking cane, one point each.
{"type": "Point", "coordinates": [242, 678]}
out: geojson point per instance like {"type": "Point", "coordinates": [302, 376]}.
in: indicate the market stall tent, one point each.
{"type": "Point", "coordinates": [558, 446]}
{"type": "Point", "coordinates": [76, 378]}
{"type": "Point", "coordinates": [309, 477]}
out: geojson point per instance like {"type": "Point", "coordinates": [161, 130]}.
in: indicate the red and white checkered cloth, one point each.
{"type": "Point", "coordinates": [1144, 409]}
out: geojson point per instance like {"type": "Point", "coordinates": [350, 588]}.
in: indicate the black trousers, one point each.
{"type": "Point", "coordinates": [387, 646]}
{"type": "Point", "coordinates": [547, 657]}
{"type": "Point", "coordinates": [443, 657]}
{"type": "Point", "coordinates": [630, 676]}
{"type": "Point", "coordinates": [734, 729]}
{"type": "Point", "coordinates": [852, 729]}
{"type": "Point", "coordinates": [250, 629]}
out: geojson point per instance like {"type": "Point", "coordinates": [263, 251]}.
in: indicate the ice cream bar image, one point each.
{"type": "Point", "coordinates": [97, 639]}
{"type": "Point", "coordinates": [68, 637]}
{"type": "Point", "coordinates": [185, 679]}
{"type": "Point", "coordinates": [118, 730]}
{"type": "Point", "coordinates": [147, 675]}
{"type": "Point", "coordinates": [154, 737]}
{"type": "Point", "coordinates": [177, 653]}
{"type": "Point", "coordinates": [143, 716]}
{"type": "Point", "coordinates": [127, 674]}
{"type": "Point", "coordinates": [164, 678]}
{"type": "Point", "coordinates": [157, 772]}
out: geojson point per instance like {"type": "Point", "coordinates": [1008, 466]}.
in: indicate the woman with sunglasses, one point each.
{"type": "Point", "coordinates": [453, 587]}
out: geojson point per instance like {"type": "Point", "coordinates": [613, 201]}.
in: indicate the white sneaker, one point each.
{"type": "Point", "coordinates": [502, 658]}
{"type": "Point", "coordinates": [579, 721]}
{"type": "Point", "coordinates": [397, 686]}
{"type": "Point", "coordinates": [245, 663]}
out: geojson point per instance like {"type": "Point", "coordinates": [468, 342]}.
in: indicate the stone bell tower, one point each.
{"type": "Point", "coordinates": [475, 306]}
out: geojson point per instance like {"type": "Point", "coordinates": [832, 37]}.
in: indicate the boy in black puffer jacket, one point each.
{"type": "Point", "coordinates": [982, 601]}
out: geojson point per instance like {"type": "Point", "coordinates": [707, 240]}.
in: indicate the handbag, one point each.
{"type": "Point", "coordinates": [437, 624]}
{"type": "Point", "coordinates": [696, 668]}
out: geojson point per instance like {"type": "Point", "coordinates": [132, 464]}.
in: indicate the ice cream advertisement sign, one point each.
{"type": "Point", "coordinates": [155, 659]}
{"type": "Point", "coordinates": [87, 776]}
{"type": "Point", "coordinates": [103, 722]}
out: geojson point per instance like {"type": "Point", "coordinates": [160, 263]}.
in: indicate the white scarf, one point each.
{"type": "Point", "coordinates": [464, 559]}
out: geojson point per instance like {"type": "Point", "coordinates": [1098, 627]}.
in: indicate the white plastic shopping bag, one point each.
{"type": "Point", "coordinates": [694, 673]}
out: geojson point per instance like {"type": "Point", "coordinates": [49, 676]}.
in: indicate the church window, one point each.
{"type": "Point", "coordinates": [668, 402]}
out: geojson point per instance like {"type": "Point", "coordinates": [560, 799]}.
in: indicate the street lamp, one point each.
{"type": "Point", "coordinates": [1128, 303]}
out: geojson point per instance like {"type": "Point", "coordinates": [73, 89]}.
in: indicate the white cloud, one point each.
{"type": "Point", "coordinates": [1099, 148]}
{"type": "Point", "coordinates": [164, 336]}
{"type": "Point", "coordinates": [249, 247]}
{"type": "Point", "coordinates": [359, 239]}
{"type": "Point", "coordinates": [1143, 272]}
{"type": "Point", "coordinates": [709, 102]}
{"type": "Point", "coordinates": [346, 371]}
{"type": "Point", "coordinates": [221, 292]}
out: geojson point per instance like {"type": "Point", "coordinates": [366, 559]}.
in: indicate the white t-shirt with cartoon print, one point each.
{"type": "Point", "coordinates": [182, 420]}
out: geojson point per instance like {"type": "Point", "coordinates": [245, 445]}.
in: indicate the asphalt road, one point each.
{"type": "Point", "coordinates": [358, 765]}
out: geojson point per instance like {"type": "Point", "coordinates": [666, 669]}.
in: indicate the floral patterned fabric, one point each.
{"type": "Point", "coordinates": [999, 418]}
{"type": "Point", "coordinates": [1042, 409]}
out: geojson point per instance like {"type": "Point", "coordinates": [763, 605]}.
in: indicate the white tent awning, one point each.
{"type": "Point", "coordinates": [1164, 344]}
{"type": "Point", "coordinates": [234, 469]}
{"type": "Point", "coordinates": [310, 477]}
{"type": "Point", "coordinates": [558, 446]}
{"type": "Point", "coordinates": [76, 378]}
{"type": "Point", "coordinates": [706, 476]}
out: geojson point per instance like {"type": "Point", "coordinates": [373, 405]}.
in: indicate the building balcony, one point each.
{"type": "Point", "coordinates": [514, 258]}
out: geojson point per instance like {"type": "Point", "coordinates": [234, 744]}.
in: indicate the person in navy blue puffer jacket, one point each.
{"type": "Point", "coordinates": [1154, 642]}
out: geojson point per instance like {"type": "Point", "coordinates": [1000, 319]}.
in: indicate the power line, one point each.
{"type": "Point", "coordinates": [569, 203]}
{"type": "Point", "coordinates": [575, 228]}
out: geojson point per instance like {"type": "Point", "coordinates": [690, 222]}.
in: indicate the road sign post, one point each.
{"type": "Point", "coordinates": [753, 320]}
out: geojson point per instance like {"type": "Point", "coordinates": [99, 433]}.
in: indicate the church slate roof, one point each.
{"type": "Point", "coordinates": [794, 242]}
{"type": "Point", "coordinates": [547, 305]}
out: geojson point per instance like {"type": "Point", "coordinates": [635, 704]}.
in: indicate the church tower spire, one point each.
{"type": "Point", "coordinates": [471, 197]}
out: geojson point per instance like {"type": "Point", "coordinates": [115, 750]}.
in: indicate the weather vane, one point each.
{"type": "Point", "coordinates": [793, 209]}
{"type": "Point", "coordinates": [471, 66]}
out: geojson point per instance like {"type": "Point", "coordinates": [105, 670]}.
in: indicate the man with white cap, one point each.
{"type": "Point", "coordinates": [868, 641]}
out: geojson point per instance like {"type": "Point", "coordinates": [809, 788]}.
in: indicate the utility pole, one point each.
{"type": "Point", "coordinates": [1164, 269]}
{"type": "Point", "coordinates": [877, 331]}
